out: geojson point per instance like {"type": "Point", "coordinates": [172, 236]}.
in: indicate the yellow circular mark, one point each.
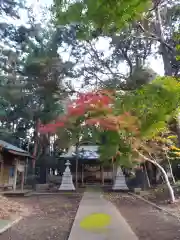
{"type": "Point", "coordinates": [95, 221]}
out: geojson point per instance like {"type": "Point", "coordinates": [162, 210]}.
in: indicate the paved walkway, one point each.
{"type": "Point", "coordinates": [6, 224]}
{"type": "Point", "coordinates": [98, 219]}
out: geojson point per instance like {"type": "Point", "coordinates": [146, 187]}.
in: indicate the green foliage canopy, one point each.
{"type": "Point", "coordinates": [104, 16]}
{"type": "Point", "coordinates": [153, 105]}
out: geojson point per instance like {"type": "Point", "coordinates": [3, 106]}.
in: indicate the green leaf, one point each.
{"type": "Point", "coordinates": [103, 15]}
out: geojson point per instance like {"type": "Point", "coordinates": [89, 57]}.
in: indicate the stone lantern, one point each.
{"type": "Point", "coordinates": [120, 182]}
{"type": "Point", "coordinates": [67, 182]}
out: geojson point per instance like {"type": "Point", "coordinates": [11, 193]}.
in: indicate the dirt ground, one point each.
{"type": "Point", "coordinates": [50, 218]}
{"type": "Point", "coordinates": [160, 196]}
{"type": "Point", "coordinates": [148, 223]}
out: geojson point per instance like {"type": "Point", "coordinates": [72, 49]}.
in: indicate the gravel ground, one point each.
{"type": "Point", "coordinates": [9, 208]}
{"type": "Point", "coordinates": [148, 223]}
{"type": "Point", "coordinates": [162, 199]}
{"type": "Point", "coordinates": [50, 218]}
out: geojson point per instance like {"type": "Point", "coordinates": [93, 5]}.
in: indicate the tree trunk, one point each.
{"type": "Point", "coordinates": [170, 169]}
{"type": "Point", "coordinates": [35, 150]}
{"type": "Point", "coordinates": [77, 160]}
{"type": "Point", "coordinates": [163, 48]}
{"type": "Point", "coordinates": [178, 128]}
{"type": "Point", "coordinates": [35, 142]}
{"type": "Point", "coordinates": [171, 191]}
{"type": "Point", "coordinates": [147, 177]}
{"type": "Point", "coordinates": [27, 164]}
{"type": "Point", "coordinates": [165, 55]}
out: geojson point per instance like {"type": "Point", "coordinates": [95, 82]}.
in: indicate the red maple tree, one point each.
{"type": "Point", "coordinates": [97, 109]}
{"type": "Point", "coordinates": [91, 102]}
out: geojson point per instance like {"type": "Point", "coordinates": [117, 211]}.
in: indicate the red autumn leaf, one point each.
{"type": "Point", "coordinates": [50, 128]}
{"type": "Point", "coordinates": [45, 129]}
{"type": "Point", "coordinates": [76, 111]}
{"type": "Point", "coordinates": [97, 102]}
{"type": "Point", "coordinates": [103, 123]}
{"type": "Point", "coordinates": [91, 122]}
{"type": "Point", "coordinates": [59, 124]}
{"type": "Point", "coordinates": [62, 119]}
{"type": "Point", "coordinates": [92, 99]}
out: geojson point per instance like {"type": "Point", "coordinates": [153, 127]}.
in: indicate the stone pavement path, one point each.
{"type": "Point", "coordinates": [99, 219]}
{"type": "Point", "coordinates": [4, 223]}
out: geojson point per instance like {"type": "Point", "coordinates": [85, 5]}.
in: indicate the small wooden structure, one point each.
{"type": "Point", "coordinates": [12, 165]}
{"type": "Point", "coordinates": [90, 169]}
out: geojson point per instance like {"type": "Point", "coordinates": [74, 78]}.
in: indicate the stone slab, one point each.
{"type": "Point", "coordinates": [118, 228]}
{"type": "Point", "coordinates": [17, 193]}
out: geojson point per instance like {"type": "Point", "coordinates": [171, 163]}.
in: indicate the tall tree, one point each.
{"type": "Point", "coordinates": [142, 36]}
{"type": "Point", "coordinates": [32, 77]}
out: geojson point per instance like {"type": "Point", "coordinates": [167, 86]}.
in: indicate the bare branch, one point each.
{"type": "Point", "coordinates": [152, 35]}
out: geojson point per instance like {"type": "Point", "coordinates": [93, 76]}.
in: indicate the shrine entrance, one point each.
{"type": "Point", "coordinates": [89, 170]}
{"type": "Point", "coordinates": [92, 174]}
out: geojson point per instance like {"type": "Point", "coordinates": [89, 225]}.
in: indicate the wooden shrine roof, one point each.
{"type": "Point", "coordinates": [13, 149]}
{"type": "Point", "coordinates": [87, 152]}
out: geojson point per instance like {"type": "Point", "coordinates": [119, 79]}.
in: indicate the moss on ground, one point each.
{"type": "Point", "coordinates": [95, 221]}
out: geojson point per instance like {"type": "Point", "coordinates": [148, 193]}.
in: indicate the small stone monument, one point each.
{"type": "Point", "coordinates": [120, 183]}
{"type": "Point", "coordinates": [67, 183]}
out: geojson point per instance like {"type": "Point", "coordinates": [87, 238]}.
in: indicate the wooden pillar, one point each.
{"type": "Point", "coordinates": [113, 173]}
{"type": "Point", "coordinates": [22, 180]}
{"type": "Point", "coordinates": [82, 176]}
{"type": "Point", "coordinates": [15, 174]}
{"type": "Point", "coordinates": [102, 174]}
{"type": "Point", "coordinates": [2, 167]}
{"type": "Point", "coordinates": [1, 171]}
{"type": "Point", "coordinates": [26, 170]}
{"type": "Point", "coordinates": [76, 180]}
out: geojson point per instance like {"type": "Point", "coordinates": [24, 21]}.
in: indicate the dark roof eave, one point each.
{"type": "Point", "coordinates": [83, 159]}
{"type": "Point", "coordinates": [19, 153]}
{"type": "Point", "coordinates": [10, 147]}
